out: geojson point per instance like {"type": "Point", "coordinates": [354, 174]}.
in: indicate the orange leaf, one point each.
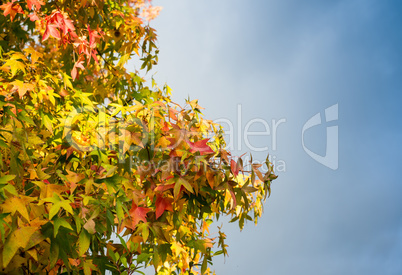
{"type": "Point", "coordinates": [138, 214]}
{"type": "Point", "coordinates": [22, 87]}
{"type": "Point", "coordinates": [12, 9]}
{"type": "Point", "coordinates": [211, 179]}
{"type": "Point", "coordinates": [36, 3]}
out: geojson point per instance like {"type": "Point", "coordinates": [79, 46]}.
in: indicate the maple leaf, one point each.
{"type": "Point", "coordinates": [67, 25]}
{"type": "Point", "coordinates": [51, 30]}
{"type": "Point", "coordinates": [35, 55]}
{"type": "Point", "coordinates": [93, 35]}
{"type": "Point", "coordinates": [234, 167]}
{"type": "Point", "coordinates": [33, 16]}
{"type": "Point", "coordinates": [73, 179]}
{"type": "Point", "coordinates": [172, 114]}
{"type": "Point", "coordinates": [161, 205]}
{"type": "Point", "coordinates": [78, 64]}
{"type": "Point", "coordinates": [12, 9]}
{"type": "Point", "coordinates": [15, 65]}
{"type": "Point", "coordinates": [19, 238]}
{"type": "Point", "coordinates": [200, 146]}
{"type": "Point", "coordinates": [137, 214]}
{"type": "Point", "coordinates": [22, 87]}
{"type": "Point", "coordinates": [165, 127]}
{"type": "Point", "coordinates": [15, 204]}
{"type": "Point", "coordinates": [162, 188]}
{"type": "Point", "coordinates": [34, 3]}
{"type": "Point", "coordinates": [150, 13]}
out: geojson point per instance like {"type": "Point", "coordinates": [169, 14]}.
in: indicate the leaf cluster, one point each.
{"type": "Point", "coordinates": [89, 154]}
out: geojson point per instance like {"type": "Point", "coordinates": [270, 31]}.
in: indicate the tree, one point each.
{"type": "Point", "coordinates": [89, 153]}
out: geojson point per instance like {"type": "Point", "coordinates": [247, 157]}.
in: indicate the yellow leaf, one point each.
{"type": "Point", "coordinates": [18, 55]}
{"type": "Point", "coordinates": [14, 65]}
{"type": "Point", "coordinates": [35, 55]}
{"type": "Point", "coordinates": [33, 253]}
{"type": "Point", "coordinates": [49, 189]}
{"type": "Point", "coordinates": [186, 184]}
{"type": "Point", "coordinates": [18, 239]}
{"type": "Point", "coordinates": [15, 204]}
{"type": "Point", "coordinates": [73, 179]}
{"type": "Point", "coordinates": [163, 143]}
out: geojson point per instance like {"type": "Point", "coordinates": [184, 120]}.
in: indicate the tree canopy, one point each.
{"type": "Point", "coordinates": [91, 154]}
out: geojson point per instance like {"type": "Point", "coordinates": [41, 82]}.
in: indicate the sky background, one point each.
{"type": "Point", "coordinates": [289, 60]}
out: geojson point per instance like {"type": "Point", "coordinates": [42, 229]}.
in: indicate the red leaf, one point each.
{"type": "Point", "coordinates": [200, 146]}
{"type": "Point", "coordinates": [161, 205]}
{"type": "Point", "coordinates": [93, 53]}
{"type": "Point", "coordinates": [234, 168]}
{"type": "Point", "coordinates": [51, 30]}
{"type": "Point", "coordinates": [68, 26]}
{"type": "Point", "coordinates": [92, 37]}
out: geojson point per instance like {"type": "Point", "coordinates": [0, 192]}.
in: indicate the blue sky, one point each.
{"type": "Point", "coordinates": [291, 59]}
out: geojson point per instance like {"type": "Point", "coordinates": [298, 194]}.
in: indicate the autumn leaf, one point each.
{"type": "Point", "coordinates": [7, 178]}
{"type": "Point", "coordinates": [234, 168]}
{"type": "Point", "coordinates": [84, 241]}
{"type": "Point", "coordinates": [84, 159]}
{"type": "Point", "coordinates": [90, 226]}
{"type": "Point", "coordinates": [22, 87]}
{"type": "Point", "coordinates": [51, 30]}
{"type": "Point", "coordinates": [19, 238]}
{"type": "Point", "coordinates": [60, 222]}
{"type": "Point", "coordinates": [161, 205]}
{"type": "Point", "coordinates": [162, 188]}
{"type": "Point", "coordinates": [35, 3]}
{"type": "Point", "coordinates": [137, 214]}
{"type": "Point", "coordinates": [15, 66]}
{"type": "Point", "coordinates": [12, 9]}
{"type": "Point", "coordinates": [150, 13]}
{"type": "Point", "coordinates": [78, 64]}
{"type": "Point", "coordinates": [35, 55]}
{"type": "Point", "coordinates": [15, 204]}
{"type": "Point", "coordinates": [200, 146]}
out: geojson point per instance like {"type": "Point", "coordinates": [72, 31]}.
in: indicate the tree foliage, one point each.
{"type": "Point", "coordinates": [91, 154]}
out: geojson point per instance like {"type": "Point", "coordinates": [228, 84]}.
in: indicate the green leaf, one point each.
{"type": "Point", "coordinates": [186, 185]}
{"type": "Point", "coordinates": [24, 117]}
{"type": "Point", "coordinates": [119, 210]}
{"type": "Point", "coordinates": [84, 241]}
{"type": "Point", "coordinates": [3, 144]}
{"type": "Point", "coordinates": [204, 265]}
{"type": "Point", "coordinates": [122, 241]}
{"type": "Point", "coordinates": [65, 204]}
{"type": "Point", "coordinates": [7, 178]}
{"type": "Point", "coordinates": [145, 232]}
{"type": "Point", "coordinates": [61, 222]}
{"type": "Point", "coordinates": [54, 253]}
